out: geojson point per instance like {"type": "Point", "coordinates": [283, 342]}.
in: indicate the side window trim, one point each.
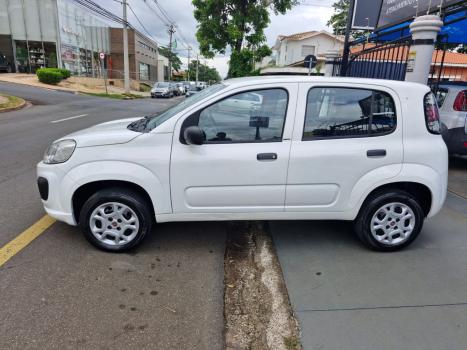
{"type": "Point", "coordinates": [193, 118]}
{"type": "Point", "coordinates": [370, 134]}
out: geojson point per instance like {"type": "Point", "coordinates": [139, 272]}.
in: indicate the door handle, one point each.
{"type": "Point", "coordinates": [376, 153]}
{"type": "Point", "coordinates": [266, 156]}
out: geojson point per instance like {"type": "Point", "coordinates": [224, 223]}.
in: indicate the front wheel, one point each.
{"type": "Point", "coordinates": [389, 221]}
{"type": "Point", "coordinates": [115, 219]}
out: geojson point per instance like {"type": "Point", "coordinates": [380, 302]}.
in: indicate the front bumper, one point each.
{"type": "Point", "coordinates": [159, 94]}
{"type": "Point", "coordinates": [55, 202]}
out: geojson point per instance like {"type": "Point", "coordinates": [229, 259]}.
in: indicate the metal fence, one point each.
{"type": "Point", "coordinates": [379, 61]}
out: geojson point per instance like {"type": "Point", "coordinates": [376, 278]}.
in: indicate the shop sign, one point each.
{"type": "Point", "coordinates": [69, 30]}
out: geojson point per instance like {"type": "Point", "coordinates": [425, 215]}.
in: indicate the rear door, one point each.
{"type": "Point", "coordinates": [345, 136]}
{"type": "Point", "coordinates": [242, 165]}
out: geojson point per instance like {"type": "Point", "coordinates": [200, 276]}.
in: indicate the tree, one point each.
{"type": "Point", "coordinates": [176, 62]}
{"type": "Point", "coordinates": [205, 73]}
{"type": "Point", "coordinates": [338, 20]}
{"type": "Point", "coordinates": [237, 25]}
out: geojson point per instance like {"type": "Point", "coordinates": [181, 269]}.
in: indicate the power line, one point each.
{"type": "Point", "coordinates": [141, 24]}
{"type": "Point", "coordinates": [163, 20]}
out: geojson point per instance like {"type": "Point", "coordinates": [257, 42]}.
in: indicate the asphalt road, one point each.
{"type": "Point", "coordinates": [59, 292]}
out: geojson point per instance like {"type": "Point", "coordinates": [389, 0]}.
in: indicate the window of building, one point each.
{"type": "Point", "coordinates": [308, 50]}
{"type": "Point", "coordinates": [254, 116]}
{"type": "Point", "coordinates": [143, 71]}
{"type": "Point", "coordinates": [347, 112]}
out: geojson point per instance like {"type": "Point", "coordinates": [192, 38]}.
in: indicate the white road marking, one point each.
{"type": "Point", "coordinates": [62, 120]}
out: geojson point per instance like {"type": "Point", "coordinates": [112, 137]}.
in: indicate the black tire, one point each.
{"type": "Point", "coordinates": [362, 224]}
{"type": "Point", "coordinates": [120, 195]}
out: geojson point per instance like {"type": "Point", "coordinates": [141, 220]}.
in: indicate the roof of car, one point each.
{"type": "Point", "coordinates": [321, 79]}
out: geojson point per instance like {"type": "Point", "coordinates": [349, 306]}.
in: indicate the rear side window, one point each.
{"type": "Point", "coordinates": [431, 113]}
{"type": "Point", "coordinates": [348, 112]}
{"type": "Point", "coordinates": [441, 96]}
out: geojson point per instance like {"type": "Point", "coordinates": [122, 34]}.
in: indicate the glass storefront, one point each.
{"type": "Point", "coordinates": [51, 33]}
{"type": "Point", "coordinates": [82, 38]}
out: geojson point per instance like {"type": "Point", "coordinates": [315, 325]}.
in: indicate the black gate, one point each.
{"type": "Point", "coordinates": [379, 61]}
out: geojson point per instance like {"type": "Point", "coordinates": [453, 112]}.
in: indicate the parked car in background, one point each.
{"type": "Point", "coordinates": [452, 102]}
{"type": "Point", "coordinates": [162, 89]}
{"type": "Point", "coordinates": [192, 89]}
{"type": "Point", "coordinates": [5, 66]}
{"type": "Point", "coordinates": [180, 89]}
{"type": "Point", "coordinates": [362, 150]}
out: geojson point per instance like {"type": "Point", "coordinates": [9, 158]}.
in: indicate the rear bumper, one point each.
{"type": "Point", "coordinates": [456, 140]}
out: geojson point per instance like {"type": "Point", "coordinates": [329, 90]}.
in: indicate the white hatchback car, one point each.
{"type": "Point", "coordinates": [311, 148]}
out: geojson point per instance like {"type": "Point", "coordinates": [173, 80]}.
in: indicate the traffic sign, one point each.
{"type": "Point", "coordinates": [310, 61]}
{"type": "Point", "coordinates": [101, 55]}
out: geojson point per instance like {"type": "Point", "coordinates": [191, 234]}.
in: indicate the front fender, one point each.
{"type": "Point", "coordinates": [118, 171]}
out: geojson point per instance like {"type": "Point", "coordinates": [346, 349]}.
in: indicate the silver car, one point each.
{"type": "Point", "coordinates": [452, 102]}
{"type": "Point", "coordinates": [162, 89]}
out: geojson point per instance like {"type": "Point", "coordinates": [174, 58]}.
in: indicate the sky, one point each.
{"type": "Point", "coordinates": [309, 15]}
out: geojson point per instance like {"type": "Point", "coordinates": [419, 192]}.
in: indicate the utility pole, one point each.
{"type": "Point", "coordinates": [171, 32]}
{"type": "Point", "coordinates": [126, 63]}
{"type": "Point", "coordinates": [197, 67]}
{"type": "Point", "coordinates": [188, 65]}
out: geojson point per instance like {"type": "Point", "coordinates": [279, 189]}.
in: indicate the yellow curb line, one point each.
{"type": "Point", "coordinates": [23, 239]}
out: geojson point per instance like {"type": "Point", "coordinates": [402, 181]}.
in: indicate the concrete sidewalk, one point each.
{"type": "Point", "coordinates": [347, 297]}
{"type": "Point", "coordinates": [73, 84]}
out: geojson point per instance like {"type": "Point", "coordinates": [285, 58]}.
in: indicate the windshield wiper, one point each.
{"type": "Point", "coordinates": [140, 124]}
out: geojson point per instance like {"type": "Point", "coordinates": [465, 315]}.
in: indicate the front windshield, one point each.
{"type": "Point", "coordinates": [159, 119]}
{"type": "Point", "coordinates": [162, 85]}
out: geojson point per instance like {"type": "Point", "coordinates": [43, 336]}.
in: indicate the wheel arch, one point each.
{"type": "Point", "coordinates": [82, 193]}
{"type": "Point", "coordinates": [420, 191]}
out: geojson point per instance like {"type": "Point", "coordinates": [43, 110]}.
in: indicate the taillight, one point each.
{"type": "Point", "coordinates": [431, 113]}
{"type": "Point", "coordinates": [460, 103]}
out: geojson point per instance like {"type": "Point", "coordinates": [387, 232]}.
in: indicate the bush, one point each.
{"type": "Point", "coordinates": [49, 76]}
{"type": "Point", "coordinates": [64, 72]}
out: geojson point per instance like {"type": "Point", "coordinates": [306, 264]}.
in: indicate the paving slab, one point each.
{"type": "Point", "coordinates": [346, 296]}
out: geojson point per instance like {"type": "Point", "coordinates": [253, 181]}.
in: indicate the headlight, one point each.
{"type": "Point", "coordinates": [59, 152]}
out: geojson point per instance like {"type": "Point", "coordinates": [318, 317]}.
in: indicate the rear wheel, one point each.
{"type": "Point", "coordinates": [389, 221]}
{"type": "Point", "coordinates": [115, 219]}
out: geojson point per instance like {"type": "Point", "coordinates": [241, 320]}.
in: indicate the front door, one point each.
{"type": "Point", "coordinates": [242, 165]}
{"type": "Point", "coordinates": [346, 136]}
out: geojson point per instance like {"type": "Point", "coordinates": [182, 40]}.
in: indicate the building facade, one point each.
{"type": "Point", "coordinates": [146, 64]}
{"type": "Point", "coordinates": [292, 49]}
{"type": "Point", "coordinates": [52, 33]}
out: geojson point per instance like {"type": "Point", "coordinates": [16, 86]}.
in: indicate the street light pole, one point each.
{"type": "Point", "coordinates": [126, 63]}
{"type": "Point", "coordinates": [345, 54]}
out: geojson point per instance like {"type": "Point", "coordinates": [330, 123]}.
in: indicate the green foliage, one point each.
{"type": "Point", "coordinates": [238, 25]}
{"type": "Point", "coordinates": [338, 20]}
{"type": "Point", "coordinates": [176, 62]}
{"type": "Point", "coordinates": [64, 72]}
{"type": "Point", "coordinates": [49, 76]}
{"type": "Point", "coordinates": [52, 75]}
{"type": "Point", "coordinates": [205, 73]}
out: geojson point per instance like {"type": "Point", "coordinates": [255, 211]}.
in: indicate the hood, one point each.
{"type": "Point", "coordinates": [108, 133]}
{"type": "Point", "coordinates": [160, 89]}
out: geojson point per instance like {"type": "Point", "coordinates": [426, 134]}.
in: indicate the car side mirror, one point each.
{"type": "Point", "coordinates": [194, 135]}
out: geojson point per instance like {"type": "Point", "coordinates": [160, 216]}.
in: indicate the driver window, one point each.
{"type": "Point", "coordinates": [253, 116]}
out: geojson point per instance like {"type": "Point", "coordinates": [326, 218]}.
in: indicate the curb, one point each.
{"type": "Point", "coordinates": [10, 109]}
